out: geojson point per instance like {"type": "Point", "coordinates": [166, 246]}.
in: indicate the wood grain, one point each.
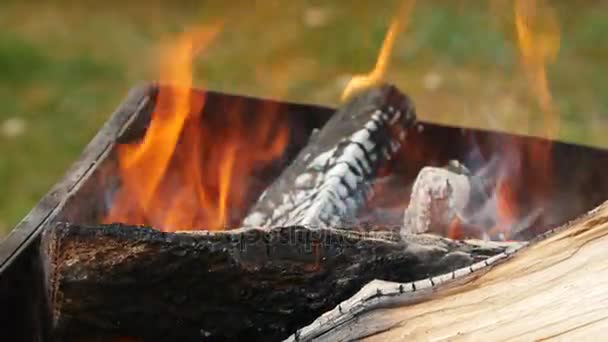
{"type": "Point", "coordinates": [556, 288]}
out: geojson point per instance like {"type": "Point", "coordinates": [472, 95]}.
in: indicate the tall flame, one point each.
{"type": "Point", "coordinates": [184, 174]}
{"type": "Point", "coordinates": [506, 210]}
{"type": "Point", "coordinates": [173, 107]}
{"type": "Point", "coordinates": [537, 31]}
{"type": "Point", "coordinates": [538, 40]}
{"type": "Point", "coordinates": [361, 82]}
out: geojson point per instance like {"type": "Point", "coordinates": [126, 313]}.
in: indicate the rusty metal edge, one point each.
{"type": "Point", "coordinates": [47, 208]}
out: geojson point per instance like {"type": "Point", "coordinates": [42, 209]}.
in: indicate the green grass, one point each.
{"type": "Point", "coordinates": [65, 66]}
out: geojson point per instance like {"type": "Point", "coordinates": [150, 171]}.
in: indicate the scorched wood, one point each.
{"type": "Point", "coordinates": [248, 283]}
{"type": "Point", "coordinates": [331, 178]}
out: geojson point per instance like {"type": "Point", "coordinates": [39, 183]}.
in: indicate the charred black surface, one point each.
{"type": "Point", "coordinates": [253, 284]}
{"type": "Point", "coordinates": [24, 310]}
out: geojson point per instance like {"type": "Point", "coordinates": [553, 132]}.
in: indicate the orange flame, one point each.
{"type": "Point", "coordinates": [506, 209]}
{"type": "Point", "coordinates": [455, 231]}
{"type": "Point", "coordinates": [184, 174]}
{"type": "Point", "coordinates": [538, 39]}
{"type": "Point", "coordinates": [361, 82]}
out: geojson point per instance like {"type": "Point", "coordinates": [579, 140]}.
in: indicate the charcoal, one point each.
{"type": "Point", "coordinates": [331, 179]}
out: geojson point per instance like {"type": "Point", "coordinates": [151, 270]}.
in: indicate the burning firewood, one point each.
{"type": "Point", "coordinates": [331, 178]}
{"type": "Point", "coordinates": [267, 281]}
{"type": "Point", "coordinates": [249, 283]}
{"type": "Point", "coordinates": [443, 198]}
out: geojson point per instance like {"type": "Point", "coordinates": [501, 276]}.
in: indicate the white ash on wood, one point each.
{"type": "Point", "coordinates": [444, 197]}
{"type": "Point", "coordinates": [331, 178]}
{"type": "Point", "coordinates": [439, 196]}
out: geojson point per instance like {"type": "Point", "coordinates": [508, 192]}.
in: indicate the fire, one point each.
{"type": "Point", "coordinates": [538, 40]}
{"type": "Point", "coordinates": [378, 74]}
{"type": "Point", "coordinates": [455, 231]}
{"type": "Point", "coordinates": [187, 173]}
{"type": "Point", "coordinates": [506, 210]}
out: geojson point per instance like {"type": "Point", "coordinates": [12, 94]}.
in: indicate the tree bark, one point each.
{"type": "Point", "coordinates": [556, 287]}
{"type": "Point", "coordinates": [249, 283]}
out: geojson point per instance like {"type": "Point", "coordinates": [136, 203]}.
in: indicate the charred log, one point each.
{"type": "Point", "coordinates": [331, 179]}
{"type": "Point", "coordinates": [248, 283]}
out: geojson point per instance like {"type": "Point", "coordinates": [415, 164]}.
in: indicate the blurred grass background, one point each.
{"type": "Point", "coordinates": [66, 65]}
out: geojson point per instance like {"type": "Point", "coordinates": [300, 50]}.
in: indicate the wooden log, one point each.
{"type": "Point", "coordinates": [331, 178]}
{"type": "Point", "coordinates": [556, 288]}
{"type": "Point", "coordinates": [439, 197]}
{"type": "Point", "coordinates": [453, 202]}
{"type": "Point", "coordinates": [248, 283]}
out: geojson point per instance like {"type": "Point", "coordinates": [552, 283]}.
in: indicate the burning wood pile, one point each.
{"type": "Point", "coordinates": [303, 253]}
{"type": "Point", "coordinates": [306, 242]}
{"type": "Point", "coordinates": [338, 227]}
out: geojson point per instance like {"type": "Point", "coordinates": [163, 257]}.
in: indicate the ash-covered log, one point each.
{"type": "Point", "coordinates": [331, 179]}
{"type": "Point", "coordinates": [442, 199]}
{"type": "Point", "coordinates": [248, 283]}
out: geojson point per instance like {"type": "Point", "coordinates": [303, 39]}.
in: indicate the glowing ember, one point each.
{"type": "Point", "coordinates": [361, 82]}
{"type": "Point", "coordinates": [195, 185]}
{"type": "Point", "coordinates": [455, 231]}
{"type": "Point", "coordinates": [506, 210]}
